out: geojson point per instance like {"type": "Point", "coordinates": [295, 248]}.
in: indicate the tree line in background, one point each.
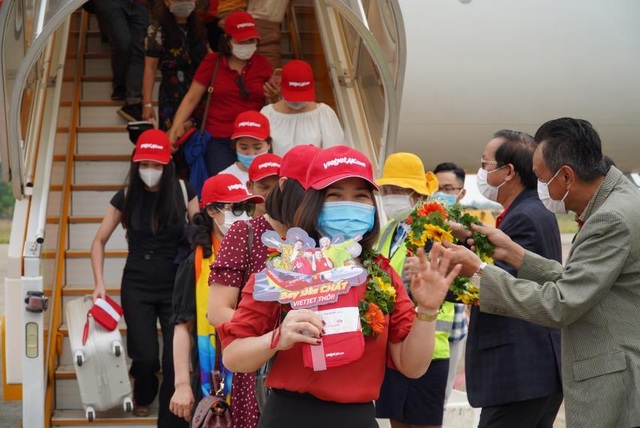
{"type": "Point", "coordinates": [7, 200]}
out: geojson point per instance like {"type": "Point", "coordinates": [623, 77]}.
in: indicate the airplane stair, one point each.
{"type": "Point", "coordinates": [93, 151]}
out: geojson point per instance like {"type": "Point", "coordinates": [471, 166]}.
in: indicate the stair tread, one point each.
{"type": "Point", "coordinates": [110, 417]}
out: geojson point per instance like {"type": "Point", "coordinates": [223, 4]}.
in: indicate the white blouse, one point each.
{"type": "Point", "coordinates": [319, 127]}
{"type": "Point", "coordinates": [234, 169]}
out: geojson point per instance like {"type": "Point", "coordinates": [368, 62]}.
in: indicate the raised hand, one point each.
{"type": "Point", "coordinates": [431, 280]}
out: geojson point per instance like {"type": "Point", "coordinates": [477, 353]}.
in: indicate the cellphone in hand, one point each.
{"type": "Point", "coordinates": [276, 77]}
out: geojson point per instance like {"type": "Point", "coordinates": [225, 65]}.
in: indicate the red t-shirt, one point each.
{"type": "Point", "coordinates": [226, 102]}
{"type": "Point", "coordinates": [357, 382]}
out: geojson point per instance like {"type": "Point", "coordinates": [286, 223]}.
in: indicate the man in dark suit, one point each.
{"type": "Point", "coordinates": [595, 296]}
{"type": "Point", "coordinates": [513, 366]}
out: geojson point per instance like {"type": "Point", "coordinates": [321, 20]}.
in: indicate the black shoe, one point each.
{"type": "Point", "coordinates": [118, 94]}
{"type": "Point", "coordinates": [131, 112]}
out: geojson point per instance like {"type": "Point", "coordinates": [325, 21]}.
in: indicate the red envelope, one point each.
{"type": "Point", "coordinates": [340, 348]}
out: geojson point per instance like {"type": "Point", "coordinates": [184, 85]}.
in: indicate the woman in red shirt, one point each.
{"type": "Point", "coordinates": [339, 201]}
{"type": "Point", "coordinates": [237, 257]}
{"type": "Point", "coordinates": [241, 84]}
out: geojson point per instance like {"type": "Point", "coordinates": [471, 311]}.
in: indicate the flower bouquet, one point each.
{"type": "Point", "coordinates": [428, 222]}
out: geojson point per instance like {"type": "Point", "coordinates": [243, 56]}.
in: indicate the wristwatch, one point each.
{"type": "Point", "coordinates": [426, 317]}
{"type": "Point", "coordinates": [478, 272]}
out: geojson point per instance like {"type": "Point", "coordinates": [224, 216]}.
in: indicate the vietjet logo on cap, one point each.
{"type": "Point", "coordinates": [343, 160]}
{"type": "Point", "coordinates": [235, 187]}
{"type": "Point", "coordinates": [299, 84]}
{"type": "Point", "coordinates": [246, 25]}
{"type": "Point", "coordinates": [269, 165]}
{"type": "Point", "coordinates": [249, 124]}
{"type": "Point", "coordinates": [152, 146]}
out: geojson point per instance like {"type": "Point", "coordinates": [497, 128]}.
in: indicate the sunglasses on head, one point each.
{"type": "Point", "coordinates": [237, 208]}
{"type": "Point", "coordinates": [244, 92]}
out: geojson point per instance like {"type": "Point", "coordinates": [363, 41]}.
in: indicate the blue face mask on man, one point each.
{"type": "Point", "coordinates": [349, 219]}
{"type": "Point", "coordinates": [447, 198]}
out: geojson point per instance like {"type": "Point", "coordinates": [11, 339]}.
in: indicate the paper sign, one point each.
{"type": "Point", "coordinates": [340, 320]}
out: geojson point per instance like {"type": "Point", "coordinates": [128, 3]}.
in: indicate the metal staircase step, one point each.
{"type": "Point", "coordinates": [109, 419]}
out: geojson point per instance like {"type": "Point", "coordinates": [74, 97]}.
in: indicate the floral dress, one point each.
{"type": "Point", "coordinates": [177, 66]}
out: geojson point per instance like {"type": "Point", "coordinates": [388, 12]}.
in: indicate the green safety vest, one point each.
{"type": "Point", "coordinates": [444, 322]}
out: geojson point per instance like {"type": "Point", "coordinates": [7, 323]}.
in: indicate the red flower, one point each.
{"type": "Point", "coordinates": [432, 207]}
{"type": "Point", "coordinates": [382, 262]}
{"type": "Point", "coordinates": [375, 319]}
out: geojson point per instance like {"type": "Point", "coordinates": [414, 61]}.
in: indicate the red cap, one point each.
{"type": "Point", "coordinates": [153, 145]}
{"type": "Point", "coordinates": [337, 163]}
{"type": "Point", "coordinates": [264, 165]}
{"type": "Point", "coordinates": [226, 188]}
{"type": "Point", "coordinates": [241, 26]}
{"type": "Point", "coordinates": [251, 124]}
{"type": "Point", "coordinates": [297, 82]}
{"type": "Point", "coordinates": [296, 161]}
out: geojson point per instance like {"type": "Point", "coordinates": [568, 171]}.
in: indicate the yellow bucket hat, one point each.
{"type": "Point", "coordinates": [407, 171]}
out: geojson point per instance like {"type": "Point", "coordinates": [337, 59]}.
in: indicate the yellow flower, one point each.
{"type": "Point", "coordinates": [438, 234]}
{"type": "Point", "coordinates": [388, 290]}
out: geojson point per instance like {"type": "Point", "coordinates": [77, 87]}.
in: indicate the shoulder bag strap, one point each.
{"type": "Point", "coordinates": [210, 93]}
{"type": "Point", "coordinates": [185, 198]}
{"type": "Point", "coordinates": [247, 271]}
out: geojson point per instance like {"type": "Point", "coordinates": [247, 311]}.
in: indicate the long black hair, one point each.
{"type": "Point", "coordinates": [281, 204]}
{"type": "Point", "coordinates": [171, 32]}
{"type": "Point", "coordinates": [201, 231]}
{"type": "Point", "coordinates": [168, 207]}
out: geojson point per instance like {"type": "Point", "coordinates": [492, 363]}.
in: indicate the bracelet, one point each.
{"type": "Point", "coordinates": [148, 105]}
{"type": "Point", "coordinates": [426, 317]}
{"type": "Point", "coordinates": [478, 272]}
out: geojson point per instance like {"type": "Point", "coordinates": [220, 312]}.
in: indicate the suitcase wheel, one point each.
{"type": "Point", "coordinates": [117, 349]}
{"type": "Point", "coordinates": [127, 405]}
{"type": "Point", "coordinates": [90, 414]}
{"type": "Point", "coordinates": [79, 357]}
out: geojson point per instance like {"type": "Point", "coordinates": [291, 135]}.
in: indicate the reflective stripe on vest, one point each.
{"type": "Point", "coordinates": [444, 323]}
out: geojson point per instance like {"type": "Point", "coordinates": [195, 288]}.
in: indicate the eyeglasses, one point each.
{"type": "Point", "coordinates": [237, 209]}
{"type": "Point", "coordinates": [449, 188]}
{"type": "Point", "coordinates": [244, 92]}
{"type": "Point", "coordinates": [484, 163]}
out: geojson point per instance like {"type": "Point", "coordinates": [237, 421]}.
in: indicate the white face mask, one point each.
{"type": "Point", "coordinates": [552, 205]}
{"type": "Point", "coordinates": [150, 176]}
{"type": "Point", "coordinates": [487, 190]}
{"type": "Point", "coordinates": [243, 52]}
{"type": "Point", "coordinates": [229, 219]}
{"type": "Point", "coordinates": [297, 106]}
{"type": "Point", "coordinates": [397, 207]}
{"type": "Point", "coordinates": [182, 9]}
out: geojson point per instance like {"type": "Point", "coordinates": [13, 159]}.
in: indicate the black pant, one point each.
{"type": "Point", "coordinates": [285, 409]}
{"type": "Point", "coordinates": [127, 22]}
{"type": "Point", "coordinates": [142, 308]}
{"type": "Point", "coordinates": [220, 154]}
{"type": "Point", "coordinates": [534, 413]}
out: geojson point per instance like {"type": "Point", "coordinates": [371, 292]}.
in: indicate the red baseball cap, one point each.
{"type": "Point", "coordinates": [228, 189]}
{"type": "Point", "coordinates": [153, 145]}
{"type": "Point", "coordinates": [251, 124]}
{"type": "Point", "coordinates": [297, 82]}
{"type": "Point", "coordinates": [241, 26]}
{"type": "Point", "coordinates": [264, 165]}
{"type": "Point", "coordinates": [296, 161]}
{"type": "Point", "coordinates": [337, 163]}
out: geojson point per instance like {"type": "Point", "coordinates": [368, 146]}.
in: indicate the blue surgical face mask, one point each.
{"type": "Point", "coordinates": [348, 219]}
{"type": "Point", "coordinates": [447, 198]}
{"type": "Point", "coordinates": [247, 159]}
